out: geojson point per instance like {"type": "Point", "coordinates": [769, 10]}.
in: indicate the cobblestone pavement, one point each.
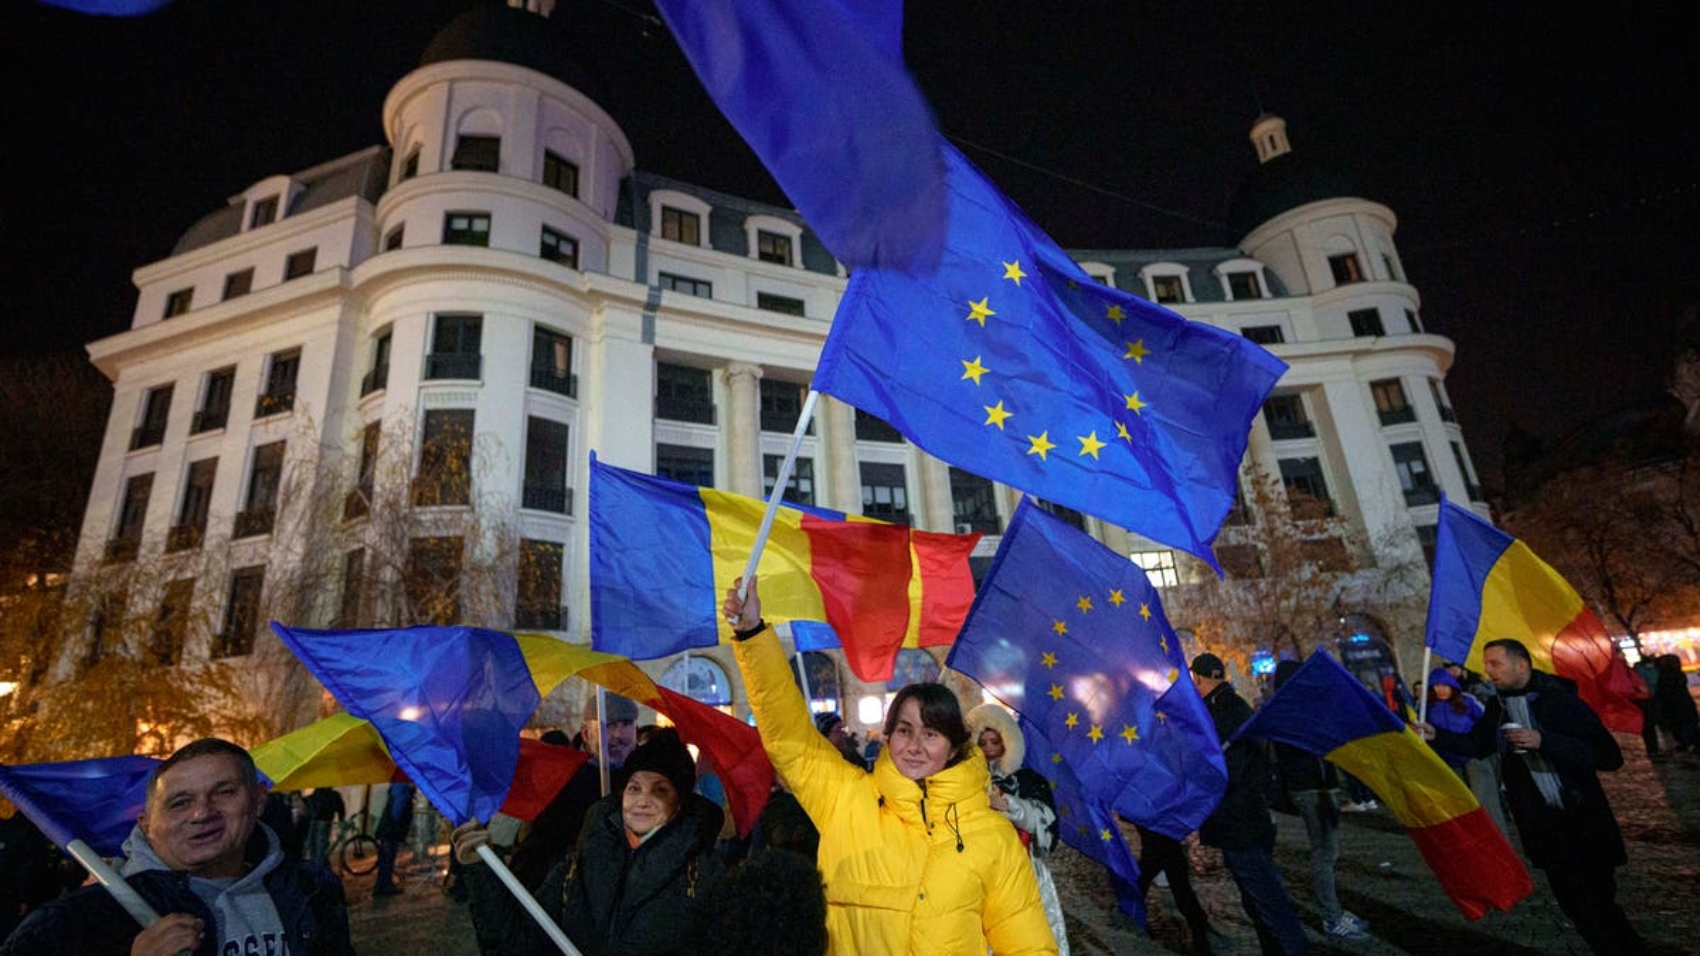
{"type": "Point", "coordinates": [1381, 878]}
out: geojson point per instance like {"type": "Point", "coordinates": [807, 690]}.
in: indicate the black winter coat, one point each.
{"type": "Point", "coordinates": [89, 922]}
{"type": "Point", "coordinates": [610, 899]}
{"type": "Point", "coordinates": [1241, 821]}
{"type": "Point", "coordinates": [1578, 746]}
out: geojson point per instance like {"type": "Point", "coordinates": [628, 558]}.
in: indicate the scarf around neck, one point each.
{"type": "Point", "coordinates": [1540, 768]}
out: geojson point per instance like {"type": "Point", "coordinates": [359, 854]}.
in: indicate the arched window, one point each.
{"type": "Point", "coordinates": [824, 692]}
{"type": "Point", "coordinates": [914, 666]}
{"type": "Point", "coordinates": [700, 679]}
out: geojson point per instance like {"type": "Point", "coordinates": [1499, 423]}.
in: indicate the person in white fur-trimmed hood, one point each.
{"type": "Point", "coordinates": [1024, 796]}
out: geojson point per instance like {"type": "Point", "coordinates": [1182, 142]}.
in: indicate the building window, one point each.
{"type": "Point", "coordinates": [1440, 401]}
{"type": "Point", "coordinates": [279, 395]}
{"type": "Point", "coordinates": [171, 626]}
{"type": "Point", "coordinates": [885, 493]}
{"type": "Point", "coordinates": [477, 153]}
{"type": "Point", "coordinates": [466, 229]}
{"type": "Point", "coordinates": [433, 579]}
{"type": "Point", "coordinates": [178, 302]}
{"type": "Point", "coordinates": [874, 428]}
{"type": "Point", "coordinates": [685, 463]}
{"type": "Point", "coordinates": [358, 504]}
{"type": "Point", "coordinates": [769, 302]}
{"type": "Point", "coordinates": [782, 405]}
{"type": "Point", "coordinates": [538, 601]}
{"type": "Point", "coordinates": [395, 237]}
{"type": "Point", "coordinates": [156, 408]}
{"type": "Point", "coordinates": [824, 691]}
{"type": "Point", "coordinates": [560, 174]}
{"type": "Point", "coordinates": [773, 247]}
{"type": "Point", "coordinates": [1306, 487]}
{"type": "Point", "coordinates": [1391, 406]}
{"type": "Point", "coordinates": [800, 489]}
{"type": "Point", "coordinates": [1159, 567]}
{"type": "Point", "coordinates": [686, 284]}
{"type": "Point", "coordinates": [914, 665]}
{"type": "Point", "coordinates": [1168, 289]}
{"type": "Point", "coordinates": [1366, 323]}
{"type": "Point", "coordinates": [1067, 515]}
{"type": "Point", "coordinates": [546, 466]}
{"type": "Point", "coordinates": [191, 527]}
{"type": "Point", "coordinates": [456, 348]}
{"type": "Point", "coordinates": [1415, 479]}
{"type": "Point", "coordinates": [242, 614]}
{"type": "Point", "coordinates": [378, 375]}
{"type": "Point", "coordinates": [265, 480]}
{"type": "Point", "coordinates": [1415, 323]}
{"type": "Point", "coordinates": [1286, 416]}
{"type": "Point", "coordinates": [300, 264]}
{"type": "Point", "coordinates": [1470, 487]}
{"type": "Point", "coordinates": [702, 680]}
{"type": "Point", "coordinates": [132, 516]}
{"type": "Point", "coordinates": [1243, 285]}
{"type": "Point", "coordinates": [1264, 334]}
{"type": "Point", "coordinates": [1345, 268]}
{"type": "Point", "coordinates": [445, 458]}
{"type": "Point", "coordinates": [353, 589]}
{"type": "Point", "coordinates": [681, 226]}
{"type": "Point", "coordinates": [410, 165]}
{"type": "Point", "coordinates": [552, 362]}
{"type": "Point", "coordinates": [974, 503]}
{"type": "Point", "coordinates": [238, 284]}
{"type": "Point", "coordinates": [264, 214]}
{"type": "Point", "coordinates": [1427, 536]}
{"type": "Point", "coordinates": [559, 247]}
{"type": "Point", "coordinates": [215, 401]}
{"type": "Point", "coordinates": [683, 394]}
{"type": "Point", "coordinates": [107, 626]}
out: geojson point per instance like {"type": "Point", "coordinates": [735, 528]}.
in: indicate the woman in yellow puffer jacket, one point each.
{"type": "Point", "coordinates": [915, 859]}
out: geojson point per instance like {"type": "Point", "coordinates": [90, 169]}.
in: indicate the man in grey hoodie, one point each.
{"type": "Point", "coordinates": [201, 858]}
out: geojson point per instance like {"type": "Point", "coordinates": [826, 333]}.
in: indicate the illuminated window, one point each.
{"type": "Point", "coordinates": [1159, 567]}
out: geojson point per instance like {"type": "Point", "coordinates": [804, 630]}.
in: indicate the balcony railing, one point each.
{"type": "Point", "coordinates": [209, 419]}
{"type": "Point", "coordinates": [184, 537]}
{"type": "Point", "coordinates": [454, 365]}
{"type": "Point", "coordinates": [686, 410]}
{"type": "Point", "coordinates": [783, 420]}
{"type": "Point", "coordinates": [123, 549]}
{"type": "Point", "coordinates": [377, 378]}
{"type": "Point", "coordinates": [254, 522]}
{"type": "Point", "coordinates": [548, 498]}
{"type": "Point", "coordinates": [1425, 495]}
{"type": "Point", "coordinates": [274, 403]}
{"type": "Point", "coordinates": [144, 436]}
{"type": "Point", "coordinates": [541, 618]}
{"type": "Point", "coordinates": [552, 381]}
{"type": "Point", "coordinates": [1397, 416]}
{"type": "Point", "coordinates": [1282, 430]}
{"type": "Point", "coordinates": [984, 524]}
{"type": "Point", "coordinates": [434, 492]}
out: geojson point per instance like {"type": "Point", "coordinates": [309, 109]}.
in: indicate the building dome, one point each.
{"type": "Point", "coordinates": [504, 34]}
{"type": "Point", "coordinates": [1282, 180]}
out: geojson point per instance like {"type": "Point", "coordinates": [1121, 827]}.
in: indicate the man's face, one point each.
{"type": "Point", "coordinates": [622, 739]}
{"type": "Point", "coordinates": [1506, 670]}
{"type": "Point", "coordinates": [200, 814]}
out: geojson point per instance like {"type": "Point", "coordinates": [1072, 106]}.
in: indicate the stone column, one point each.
{"type": "Point", "coordinates": [937, 511]}
{"type": "Point", "coordinates": [743, 428]}
{"type": "Point", "coordinates": [836, 461]}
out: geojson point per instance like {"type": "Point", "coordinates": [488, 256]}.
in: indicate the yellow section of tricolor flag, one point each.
{"type": "Point", "coordinates": [1524, 598]}
{"type": "Point", "coordinates": [1419, 789]}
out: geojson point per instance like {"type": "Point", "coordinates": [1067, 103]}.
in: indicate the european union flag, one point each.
{"type": "Point", "coordinates": [1008, 361]}
{"type": "Point", "coordinates": [1071, 636]}
{"type": "Point", "coordinates": [1086, 821]}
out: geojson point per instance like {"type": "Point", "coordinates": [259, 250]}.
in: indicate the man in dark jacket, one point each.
{"type": "Point", "coordinates": [1552, 747]}
{"type": "Point", "coordinates": [201, 858]}
{"type": "Point", "coordinates": [1240, 826]}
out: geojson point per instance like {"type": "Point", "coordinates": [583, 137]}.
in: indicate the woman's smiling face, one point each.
{"type": "Point", "coordinates": [918, 750]}
{"type": "Point", "coordinates": [648, 801]}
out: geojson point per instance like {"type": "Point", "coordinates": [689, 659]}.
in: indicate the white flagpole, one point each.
{"type": "Point", "coordinates": [1422, 705]}
{"type": "Point", "coordinates": [525, 898]}
{"type": "Point", "coordinates": [779, 482]}
{"type": "Point", "coordinates": [121, 891]}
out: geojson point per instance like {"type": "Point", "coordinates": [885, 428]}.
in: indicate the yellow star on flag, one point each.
{"type": "Point", "coordinates": [1041, 445]}
{"type": "Point", "coordinates": [996, 414]}
{"type": "Point", "coordinates": [1121, 432]}
{"type": "Point", "coordinates": [1162, 717]}
{"type": "Point", "coordinates": [1061, 627]}
{"type": "Point", "coordinates": [1145, 611]}
{"type": "Point", "coordinates": [1048, 659]}
{"type": "Point", "coordinates": [1096, 733]}
{"type": "Point", "coordinates": [1135, 350]}
{"type": "Point", "coordinates": [973, 369]}
{"type": "Point", "coordinates": [1135, 404]}
{"type": "Point", "coordinates": [1163, 642]}
{"type": "Point", "coordinates": [1129, 733]}
{"type": "Point", "coordinates": [1056, 758]}
{"type": "Point", "coordinates": [1085, 603]}
{"type": "Point", "coordinates": [1073, 720]}
{"type": "Point", "coordinates": [1089, 444]}
{"type": "Point", "coordinates": [980, 311]}
{"type": "Point", "coordinates": [1174, 675]}
{"type": "Point", "coordinates": [1104, 834]}
{"type": "Point", "coordinates": [1116, 598]}
{"type": "Point", "coordinates": [1012, 272]}
{"type": "Point", "coordinates": [1056, 692]}
{"type": "Point", "coordinates": [1115, 314]}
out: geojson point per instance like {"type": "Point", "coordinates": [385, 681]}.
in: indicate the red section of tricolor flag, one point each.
{"type": "Point", "coordinates": [1584, 653]}
{"type": "Point", "coordinates": [543, 770]}
{"type": "Point", "coordinates": [1470, 858]}
{"type": "Point", "coordinates": [947, 584]}
{"type": "Point", "coordinates": [732, 750]}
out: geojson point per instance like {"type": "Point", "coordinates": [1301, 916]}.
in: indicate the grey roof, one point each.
{"type": "Point", "coordinates": [365, 174]}
{"type": "Point", "coordinates": [726, 218]}
{"type": "Point", "coordinates": [1198, 262]}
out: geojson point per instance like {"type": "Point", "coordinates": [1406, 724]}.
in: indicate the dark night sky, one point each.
{"type": "Point", "coordinates": [1542, 160]}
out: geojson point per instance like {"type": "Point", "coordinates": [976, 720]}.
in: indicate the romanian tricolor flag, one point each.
{"type": "Point", "coordinates": [663, 554]}
{"type": "Point", "coordinates": [1489, 585]}
{"type": "Point", "coordinates": [1324, 710]}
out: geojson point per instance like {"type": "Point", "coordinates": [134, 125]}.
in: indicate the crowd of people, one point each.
{"type": "Point", "coordinates": [932, 838]}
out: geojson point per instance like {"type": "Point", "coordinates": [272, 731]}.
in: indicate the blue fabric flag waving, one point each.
{"type": "Point", "coordinates": [96, 800]}
{"type": "Point", "coordinates": [819, 91]}
{"type": "Point", "coordinates": [1008, 361]}
{"type": "Point", "coordinates": [448, 701]}
{"type": "Point", "coordinates": [1071, 636]}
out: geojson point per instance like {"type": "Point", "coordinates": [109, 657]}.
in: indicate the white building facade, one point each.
{"type": "Point", "coordinates": [501, 268]}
